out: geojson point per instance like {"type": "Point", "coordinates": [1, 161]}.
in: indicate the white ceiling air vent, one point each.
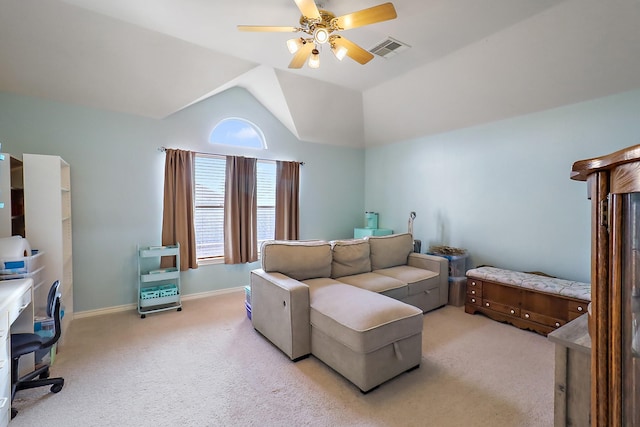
{"type": "Point", "coordinates": [389, 47]}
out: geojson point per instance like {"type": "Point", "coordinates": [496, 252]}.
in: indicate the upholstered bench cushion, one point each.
{"type": "Point", "coordinates": [379, 283]}
{"type": "Point", "coordinates": [376, 321]}
{"type": "Point", "coordinates": [535, 282]}
{"type": "Point", "coordinates": [298, 260]}
{"type": "Point", "coordinates": [417, 279]}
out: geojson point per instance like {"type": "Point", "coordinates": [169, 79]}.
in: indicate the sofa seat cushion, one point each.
{"type": "Point", "coordinates": [390, 251]}
{"type": "Point", "coordinates": [299, 260]}
{"type": "Point", "coordinates": [374, 322]}
{"type": "Point", "coordinates": [378, 283]}
{"type": "Point", "coordinates": [320, 281]}
{"type": "Point", "coordinates": [417, 279]}
{"type": "Point", "coordinates": [350, 257]}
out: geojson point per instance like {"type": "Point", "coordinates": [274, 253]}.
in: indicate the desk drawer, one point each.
{"type": "Point", "coordinates": [19, 305]}
{"type": "Point", "coordinates": [5, 383]}
{"type": "Point", "coordinates": [4, 325]}
{"type": "Point", "coordinates": [542, 319]}
{"type": "Point", "coordinates": [5, 350]}
{"type": "Point", "coordinates": [474, 284]}
{"type": "Point", "coordinates": [474, 300]}
{"type": "Point", "coordinates": [475, 292]}
{"type": "Point", "coordinates": [501, 308]}
{"type": "Point", "coordinates": [578, 307]}
{"type": "Point", "coordinates": [5, 412]}
{"type": "Point", "coordinates": [5, 369]}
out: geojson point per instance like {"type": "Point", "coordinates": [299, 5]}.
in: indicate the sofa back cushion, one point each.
{"type": "Point", "coordinates": [390, 251]}
{"type": "Point", "coordinates": [300, 260]}
{"type": "Point", "coordinates": [350, 257]}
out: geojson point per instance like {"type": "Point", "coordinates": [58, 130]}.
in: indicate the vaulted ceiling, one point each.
{"type": "Point", "coordinates": [469, 61]}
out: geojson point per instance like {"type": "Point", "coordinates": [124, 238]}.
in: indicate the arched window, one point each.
{"type": "Point", "coordinates": [239, 133]}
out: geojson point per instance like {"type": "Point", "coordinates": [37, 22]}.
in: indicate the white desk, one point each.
{"type": "Point", "coordinates": [16, 315]}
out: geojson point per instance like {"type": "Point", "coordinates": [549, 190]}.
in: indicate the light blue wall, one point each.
{"type": "Point", "coordinates": [117, 181]}
{"type": "Point", "coordinates": [502, 190]}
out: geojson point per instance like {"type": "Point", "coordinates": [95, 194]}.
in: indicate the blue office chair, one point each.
{"type": "Point", "coordinates": [22, 344]}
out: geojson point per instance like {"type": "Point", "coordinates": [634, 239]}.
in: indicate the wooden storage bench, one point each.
{"type": "Point", "coordinates": [526, 300]}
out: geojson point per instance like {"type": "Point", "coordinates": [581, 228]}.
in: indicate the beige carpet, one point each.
{"type": "Point", "coordinates": [206, 366]}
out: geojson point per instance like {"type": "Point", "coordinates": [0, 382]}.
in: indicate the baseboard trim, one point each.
{"type": "Point", "coordinates": [128, 307]}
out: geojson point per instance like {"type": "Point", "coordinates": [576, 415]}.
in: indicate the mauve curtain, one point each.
{"type": "Point", "coordinates": [240, 211]}
{"type": "Point", "coordinates": [287, 200]}
{"type": "Point", "coordinates": [177, 218]}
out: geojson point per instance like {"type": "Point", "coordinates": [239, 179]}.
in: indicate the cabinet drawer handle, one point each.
{"type": "Point", "coordinates": [513, 311]}
{"type": "Point", "coordinates": [579, 308]}
{"type": "Point", "coordinates": [487, 304]}
{"type": "Point", "coordinates": [557, 324]}
{"type": "Point", "coordinates": [473, 300]}
{"type": "Point", "coordinates": [3, 402]}
{"type": "Point", "coordinates": [526, 315]}
{"type": "Point", "coordinates": [23, 307]}
{"type": "Point", "coordinates": [473, 283]}
{"type": "Point", "coordinates": [473, 292]}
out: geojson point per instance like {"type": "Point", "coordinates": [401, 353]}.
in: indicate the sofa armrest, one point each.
{"type": "Point", "coordinates": [280, 312]}
{"type": "Point", "coordinates": [436, 264]}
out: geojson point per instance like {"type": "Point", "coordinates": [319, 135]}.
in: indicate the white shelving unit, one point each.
{"type": "Point", "coordinates": [158, 288]}
{"type": "Point", "coordinates": [11, 197]}
{"type": "Point", "coordinates": [47, 211]}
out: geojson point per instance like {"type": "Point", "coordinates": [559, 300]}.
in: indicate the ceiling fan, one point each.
{"type": "Point", "coordinates": [322, 27]}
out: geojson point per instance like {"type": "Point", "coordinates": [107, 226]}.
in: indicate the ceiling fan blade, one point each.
{"type": "Point", "coordinates": [383, 12]}
{"type": "Point", "coordinates": [301, 55]}
{"type": "Point", "coordinates": [267, 28]}
{"type": "Point", "coordinates": [308, 8]}
{"type": "Point", "coordinates": [354, 51]}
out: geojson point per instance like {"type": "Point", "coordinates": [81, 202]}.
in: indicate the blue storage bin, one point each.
{"type": "Point", "coordinates": [247, 306]}
{"type": "Point", "coordinates": [247, 294]}
{"type": "Point", "coordinates": [457, 264]}
{"type": "Point", "coordinates": [150, 292]}
{"type": "Point", "coordinates": [168, 290]}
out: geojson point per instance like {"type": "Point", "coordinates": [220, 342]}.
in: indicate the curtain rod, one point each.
{"type": "Point", "coordinates": [163, 149]}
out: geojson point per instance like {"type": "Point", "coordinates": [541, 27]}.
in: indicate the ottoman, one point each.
{"type": "Point", "coordinates": [369, 342]}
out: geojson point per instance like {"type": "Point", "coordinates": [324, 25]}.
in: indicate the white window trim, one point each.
{"type": "Point", "coordinates": [255, 127]}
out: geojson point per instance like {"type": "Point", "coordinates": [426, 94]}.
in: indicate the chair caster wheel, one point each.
{"type": "Point", "coordinates": [44, 375]}
{"type": "Point", "coordinates": [179, 308]}
{"type": "Point", "coordinates": [14, 412]}
{"type": "Point", "coordinates": [56, 388]}
{"type": "Point", "coordinates": [142, 316]}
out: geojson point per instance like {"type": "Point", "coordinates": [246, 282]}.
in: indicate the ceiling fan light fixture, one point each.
{"type": "Point", "coordinates": [294, 44]}
{"type": "Point", "coordinates": [321, 35]}
{"type": "Point", "coordinates": [321, 27]}
{"type": "Point", "coordinates": [314, 59]}
{"type": "Point", "coordinates": [339, 51]}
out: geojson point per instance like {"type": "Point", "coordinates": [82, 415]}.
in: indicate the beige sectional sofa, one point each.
{"type": "Point", "coordinates": [354, 304]}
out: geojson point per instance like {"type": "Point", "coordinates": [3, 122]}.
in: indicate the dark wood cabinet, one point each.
{"type": "Point", "coordinates": [613, 184]}
{"type": "Point", "coordinates": [538, 311]}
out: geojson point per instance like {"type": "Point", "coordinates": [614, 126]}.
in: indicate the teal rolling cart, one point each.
{"type": "Point", "coordinates": [158, 288]}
